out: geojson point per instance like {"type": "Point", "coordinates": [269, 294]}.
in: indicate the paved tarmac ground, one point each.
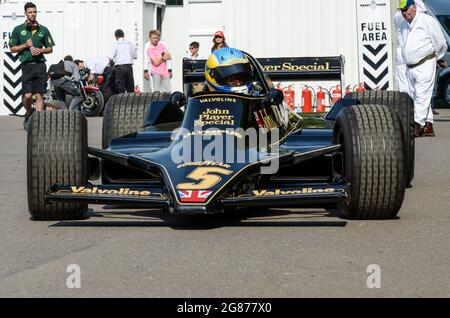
{"type": "Point", "coordinates": [124, 253]}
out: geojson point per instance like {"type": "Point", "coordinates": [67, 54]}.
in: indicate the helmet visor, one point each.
{"type": "Point", "coordinates": [243, 70]}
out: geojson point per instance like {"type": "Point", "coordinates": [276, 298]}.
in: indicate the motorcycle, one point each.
{"type": "Point", "coordinates": [89, 101]}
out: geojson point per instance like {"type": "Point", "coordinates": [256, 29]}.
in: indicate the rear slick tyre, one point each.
{"type": "Point", "coordinates": [125, 114]}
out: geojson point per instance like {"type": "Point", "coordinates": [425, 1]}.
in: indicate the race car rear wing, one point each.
{"type": "Point", "coordinates": [281, 69]}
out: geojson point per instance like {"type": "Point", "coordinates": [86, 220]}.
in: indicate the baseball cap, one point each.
{"type": "Point", "coordinates": [405, 4]}
{"type": "Point", "coordinates": [219, 33]}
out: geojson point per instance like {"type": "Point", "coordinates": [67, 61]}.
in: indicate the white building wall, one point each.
{"type": "Point", "coordinates": [269, 28]}
{"type": "Point", "coordinates": [296, 28]}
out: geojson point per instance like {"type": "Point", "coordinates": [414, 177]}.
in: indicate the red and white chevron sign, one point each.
{"type": "Point", "coordinates": [374, 41]}
{"type": "Point", "coordinates": [10, 70]}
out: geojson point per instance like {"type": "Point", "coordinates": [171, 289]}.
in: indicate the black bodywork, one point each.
{"type": "Point", "coordinates": [164, 168]}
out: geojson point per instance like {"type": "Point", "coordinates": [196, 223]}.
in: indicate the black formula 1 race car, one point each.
{"type": "Point", "coordinates": [203, 152]}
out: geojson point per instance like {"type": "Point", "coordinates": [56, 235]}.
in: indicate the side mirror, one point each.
{"type": "Point", "coordinates": [275, 96]}
{"type": "Point", "coordinates": [178, 99]}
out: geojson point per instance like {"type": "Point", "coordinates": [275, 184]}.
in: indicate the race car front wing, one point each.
{"type": "Point", "coordinates": [157, 194]}
{"type": "Point", "coordinates": [152, 198]}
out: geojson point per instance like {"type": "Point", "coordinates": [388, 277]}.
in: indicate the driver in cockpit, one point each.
{"type": "Point", "coordinates": [228, 70]}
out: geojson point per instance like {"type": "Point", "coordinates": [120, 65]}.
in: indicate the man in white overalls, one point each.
{"type": "Point", "coordinates": [423, 43]}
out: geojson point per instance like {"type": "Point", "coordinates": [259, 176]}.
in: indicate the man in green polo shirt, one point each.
{"type": "Point", "coordinates": [31, 41]}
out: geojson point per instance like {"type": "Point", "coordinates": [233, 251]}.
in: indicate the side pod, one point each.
{"type": "Point", "coordinates": [339, 106]}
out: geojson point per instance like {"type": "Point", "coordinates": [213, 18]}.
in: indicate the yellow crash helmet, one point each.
{"type": "Point", "coordinates": [226, 64]}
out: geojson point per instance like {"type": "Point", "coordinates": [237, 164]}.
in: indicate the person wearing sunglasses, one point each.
{"type": "Point", "coordinates": [219, 41]}
{"type": "Point", "coordinates": [194, 48]}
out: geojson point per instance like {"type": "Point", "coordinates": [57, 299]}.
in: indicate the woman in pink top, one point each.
{"type": "Point", "coordinates": [158, 55]}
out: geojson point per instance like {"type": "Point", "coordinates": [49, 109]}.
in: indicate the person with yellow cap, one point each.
{"type": "Point", "coordinates": [422, 45]}
{"type": "Point", "coordinates": [400, 71]}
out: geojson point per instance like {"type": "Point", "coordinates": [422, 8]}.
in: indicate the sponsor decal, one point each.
{"type": "Point", "coordinates": [211, 132]}
{"type": "Point", "coordinates": [23, 32]}
{"type": "Point", "coordinates": [262, 193]}
{"type": "Point", "coordinates": [218, 100]}
{"type": "Point", "coordinates": [204, 164]}
{"type": "Point", "coordinates": [215, 117]}
{"type": "Point", "coordinates": [121, 191]}
{"type": "Point", "coordinates": [288, 66]}
{"type": "Point", "coordinates": [194, 196]}
{"type": "Point", "coordinates": [208, 177]}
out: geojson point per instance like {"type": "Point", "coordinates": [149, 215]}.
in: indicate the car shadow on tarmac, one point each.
{"type": "Point", "coordinates": [241, 218]}
{"type": "Point", "coordinates": [442, 120]}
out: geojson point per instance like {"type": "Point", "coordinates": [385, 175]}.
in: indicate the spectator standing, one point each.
{"type": "Point", "coordinates": [157, 57]}
{"type": "Point", "coordinates": [423, 45]}
{"type": "Point", "coordinates": [147, 63]}
{"type": "Point", "coordinates": [219, 41]}
{"type": "Point", "coordinates": [401, 76]}
{"type": "Point", "coordinates": [122, 55]}
{"type": "Point", "coordinates": [31, 41]}
{"type": "Point", "coordinates": [194, 48]}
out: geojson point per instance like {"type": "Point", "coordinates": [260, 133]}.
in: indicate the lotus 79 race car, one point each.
{"type": "Point", "coordinates": [202, 152]}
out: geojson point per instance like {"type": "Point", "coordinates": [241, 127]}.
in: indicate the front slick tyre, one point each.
{"type": "Point", "coordinates": [56, 154]}
{"type": "Point", "coordinates": [404, 106]}
{"type": "Point", "coordinates": [373, 143]}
